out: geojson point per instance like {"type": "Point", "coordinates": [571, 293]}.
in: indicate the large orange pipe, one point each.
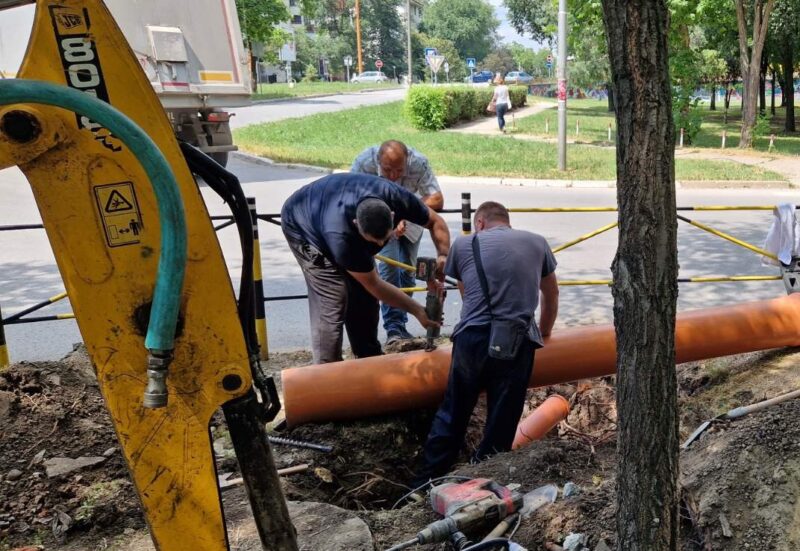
{"type": "Point", "coordinates": [397, 382]}
{"type": "Point", "coordinates": [541, 421]}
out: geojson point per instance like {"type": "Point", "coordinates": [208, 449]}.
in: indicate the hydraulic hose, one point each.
{"type": "Point", "coordinates": [172, 260]}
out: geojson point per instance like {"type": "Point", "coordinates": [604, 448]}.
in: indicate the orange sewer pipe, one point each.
{"type": "Point", "coordinates": [383, 384]}
{"type": "Point", "coordinates": [541, 421]}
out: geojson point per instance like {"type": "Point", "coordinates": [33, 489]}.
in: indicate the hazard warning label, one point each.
{"type": "Point", "coordinates": [120, 213]}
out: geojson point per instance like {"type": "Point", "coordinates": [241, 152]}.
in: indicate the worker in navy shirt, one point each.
{"type": "Point", "coordinates": [334, 227]}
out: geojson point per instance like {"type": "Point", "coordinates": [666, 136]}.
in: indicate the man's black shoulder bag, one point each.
{"type": "Point", "coordinates": [506, 335]}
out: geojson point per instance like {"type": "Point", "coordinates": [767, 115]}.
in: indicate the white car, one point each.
{"type": "Point", "coordinates": [370, 76]}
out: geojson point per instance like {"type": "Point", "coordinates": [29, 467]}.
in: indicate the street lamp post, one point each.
{"type": "Point", "coordinates": [562, 85]}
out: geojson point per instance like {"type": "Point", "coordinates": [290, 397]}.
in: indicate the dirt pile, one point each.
{"type": "Point", "coordinates": [741, 482]}
{"type": "Point", "coordinates": [61, 473]}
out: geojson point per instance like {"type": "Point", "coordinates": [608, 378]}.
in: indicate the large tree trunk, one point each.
{"type": "Point", "coordinates": [713, 106]}
{"type": "Point", "coordinates": [750, 62]}
{"type": "Point", "coordinates": [762, 94]}
{"type": "Point", "coordinates": [787, 87]}
{"type": "Point", "coordinates": [645, 276]}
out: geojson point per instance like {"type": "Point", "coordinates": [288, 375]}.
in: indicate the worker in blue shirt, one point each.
{"type": "Point", "coordinates": [334, 227]}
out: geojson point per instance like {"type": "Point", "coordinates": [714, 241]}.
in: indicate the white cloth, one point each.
{"type": "Point", "coordinates": [783, 238]}
{"type": "Point", "coordinates": [501, 95]}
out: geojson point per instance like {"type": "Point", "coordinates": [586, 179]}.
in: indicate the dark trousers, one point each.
{"type": "Point", "coordinates": [471, 371]}
{"type": "Point", "coordinates": [336, 301]}
{"type": "Point", "coordinates": [502, 109]}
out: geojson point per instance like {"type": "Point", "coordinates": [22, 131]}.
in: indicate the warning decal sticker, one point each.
{"type": "Point", "coordinates": [120, 213]}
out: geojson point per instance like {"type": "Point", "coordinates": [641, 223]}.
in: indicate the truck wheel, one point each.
{"type": "Point", "coordinates": [221, 158]}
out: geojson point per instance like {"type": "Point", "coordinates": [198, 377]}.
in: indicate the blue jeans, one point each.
{"type": "Point", "coordinates": [502, 109]}
{"type": "Point", "coordinates": [471, 371]}
{"type": "Point", "coordinates": [403, 251]}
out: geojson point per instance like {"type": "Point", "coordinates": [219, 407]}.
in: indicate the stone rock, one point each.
{"type": "Point", "coordinates": [602, 546]}
{"type": "Point", "coordinates": [7, 401]}
{"type": "Point", "coordinates": [38, 458]}
{"type": "Point", "coordinates": [571, 489]}
{"type": "Point", "coordinates": [59, 466]}
{"type": "Point", "coordinates": [110, 451]}
{"type": "Point", "coordinates": [325, 526]}
{"type": "Point", "coordinates": [574, 542]}
{"type": "Point", "coordinates": [13, 475]}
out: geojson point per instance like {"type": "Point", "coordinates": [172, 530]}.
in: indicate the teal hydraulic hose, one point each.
{"type": "Point", "coordinates": [172, 261]}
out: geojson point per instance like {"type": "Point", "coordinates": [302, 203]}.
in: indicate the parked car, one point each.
{"type": "Point", "coordinates": [518, 77]}
{"type": "Point", "coordinates": [370, 76]}
{"type": "Point", "coordinates": [480, 76]}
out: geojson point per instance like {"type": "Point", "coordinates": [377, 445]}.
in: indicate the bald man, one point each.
{"type": "Point", "coordinates": [409, 169]}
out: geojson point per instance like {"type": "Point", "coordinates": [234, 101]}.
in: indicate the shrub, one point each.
{"type": "Point", "coordinates": [686, 113]}
{"type": "Point", "coordinates": [311, 73]}
{"type": "Point", "coordinates": [438, 107]}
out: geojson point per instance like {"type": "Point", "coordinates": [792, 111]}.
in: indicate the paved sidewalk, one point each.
{"type": "Point", "coordinates": [488, 125]}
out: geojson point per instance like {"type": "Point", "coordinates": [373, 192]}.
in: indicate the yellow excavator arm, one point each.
{"type": "Point", "coordinates": [102, 218]}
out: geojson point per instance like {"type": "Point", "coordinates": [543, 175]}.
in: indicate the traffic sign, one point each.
{"type": "Point", "coordinates": [435, 62]}
{"type": "Point", "coordinates": [379, 64]}
{"type": "Point", "coordinates": [471, 62]}
{"type": "Point", "coordinates": [446, 67]}
{"type": "Point", "coordinates": [430, 51]}
{"type": "Point", "coordinates": [348, 60]}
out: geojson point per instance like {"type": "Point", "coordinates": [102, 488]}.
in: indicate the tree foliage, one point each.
{"type": "Point", "coordinates": [458, 66]}
{"type": "Point", "coordinates": [469, 24]}
{"type": "Point", "coordinates": [536, 18]}
{"type": "Point", "coordinates": [258, 19]}
{"type": "Point", "coordinates": [500, 61]}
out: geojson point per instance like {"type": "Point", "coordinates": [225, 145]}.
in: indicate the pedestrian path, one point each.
{"type": "Point", "coordinates": [488, 125]}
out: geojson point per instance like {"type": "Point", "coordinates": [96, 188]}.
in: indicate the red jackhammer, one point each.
{"type": "Point", "coordinates": [466, 507]}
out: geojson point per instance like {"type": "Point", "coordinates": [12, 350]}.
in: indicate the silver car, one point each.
{"type": "Point", "coordinates": [518, 77]}
{"type": "Point", "coordinates": [370, 76]}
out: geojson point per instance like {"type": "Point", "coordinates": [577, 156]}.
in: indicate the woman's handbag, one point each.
{"type": "Point", "coordinates": [492, 107]}
{"type": "Point", "coordinates": [506, 335]}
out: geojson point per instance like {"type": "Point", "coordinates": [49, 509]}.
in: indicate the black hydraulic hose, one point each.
{"type": "Point", "coordinates": [227, 186]}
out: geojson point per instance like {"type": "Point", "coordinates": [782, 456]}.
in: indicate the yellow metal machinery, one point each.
{"type": "Point", "coordinates": [101, 217]}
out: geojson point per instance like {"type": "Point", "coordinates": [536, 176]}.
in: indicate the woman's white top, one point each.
{"type": "Point", "coordinates": [501, 95]}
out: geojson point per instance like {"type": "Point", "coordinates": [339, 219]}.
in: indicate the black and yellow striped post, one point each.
{"type": "Point", "coordinates": [466, 213]}
{"type": "Point", "coordinates": [258, 283]}
{"type": "Point", "coordinates": [5, 361]}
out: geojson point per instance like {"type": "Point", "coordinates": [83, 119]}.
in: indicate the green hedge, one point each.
{"type": "Point", "coordinates": [438, 107]}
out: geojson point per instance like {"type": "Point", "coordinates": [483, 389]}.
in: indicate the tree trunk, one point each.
{"type": "Point", "coordinates": [762, 94]}
{"type": "Point", "coordinates": [645, 276]}
{"type": "Point", "coordinates": [713, 106]}
{"type": "Point", "coordinates": [728, 94]}
{"type": "Point", "coordinates": [772, 106]}
{"type": "Point", "coordinates": [610, 89]}
{"type": "Point", "coordinates": [788, 87]}
{"type": "Point", "coordinates": [253, 69]}
{"type": "Point", "coordinates": [750, 62]}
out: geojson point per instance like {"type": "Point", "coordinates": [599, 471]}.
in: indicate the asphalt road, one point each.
{"type": "Point", "coordinates": [28, 273]}
{"type": "Point", "coordinates": [291, 108]}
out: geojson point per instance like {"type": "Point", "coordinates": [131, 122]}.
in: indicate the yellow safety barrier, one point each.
{"type": "Point", "coordinates": [730, 238]}
{"type": "Point", "coordinates": [583, 238]}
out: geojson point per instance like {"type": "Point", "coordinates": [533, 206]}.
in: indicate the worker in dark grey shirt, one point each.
{"type": "Point", "coordinates": [334, 227]}
{"type": "Point", "coordinates": [518, 266]}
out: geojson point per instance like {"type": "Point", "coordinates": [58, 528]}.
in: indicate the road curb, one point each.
{"type": "Point", "coordinates": [536, 182]}
{"type": "Point", "coordinates": [317, 96]}
{"type": "Point", "coordinates": [250, 158]}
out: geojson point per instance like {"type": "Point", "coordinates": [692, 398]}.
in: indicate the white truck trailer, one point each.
{"type": "Point", "coordinates": [191, 50]}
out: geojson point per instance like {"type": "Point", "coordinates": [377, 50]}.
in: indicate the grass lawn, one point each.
{"type": "Point", "coordinates": [593, 118]}
{"type": "Point", "coordinates": [301, 89]}
{"type": "Point", "coordinates": [334, 139]}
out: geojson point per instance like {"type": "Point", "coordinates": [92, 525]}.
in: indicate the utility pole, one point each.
{"type": "Point", "coordinates": [358, 37]}
{"type": "Point", "coordinates": [408, 44]}
{"type": "Point", "coordinates": [562, 85]}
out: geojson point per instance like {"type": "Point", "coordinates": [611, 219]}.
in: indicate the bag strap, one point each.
{"type": "Point", "coordinates": [476, 253]}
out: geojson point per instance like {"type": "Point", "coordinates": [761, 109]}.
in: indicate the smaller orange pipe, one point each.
{"type": "Point", "coordinates": [543, 419]}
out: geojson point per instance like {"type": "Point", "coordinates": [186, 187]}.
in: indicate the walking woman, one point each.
{"type": "Point", "coordinates": [502, 101]}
